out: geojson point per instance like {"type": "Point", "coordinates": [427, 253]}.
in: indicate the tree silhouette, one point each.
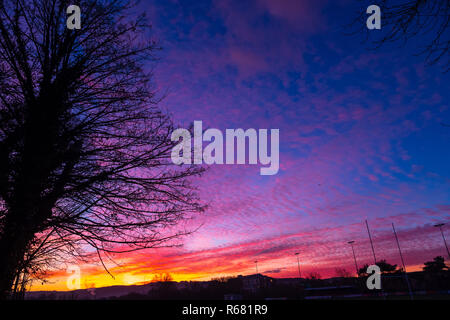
{"type": "Point", "coordinates": [437, 265]}
{"type": "Point", "coordinates": [385, 268]}
{"type": "Point", "coordinates": [84, 148]}
{"type": "Point", "coordinates": [342, 272]}
{"type": "Point", "coordinates": [314, 276]}
{"type": "Point", "coordinates": [427, 22]}
{"type": "Point", "coordinates": [162, 277]}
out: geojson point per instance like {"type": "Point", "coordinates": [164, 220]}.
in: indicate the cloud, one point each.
{"type": "Point", "coordinates": [358, 141]}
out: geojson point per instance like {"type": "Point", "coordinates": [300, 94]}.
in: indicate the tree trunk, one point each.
{"type": "Point", "coordinates": [13, 246]}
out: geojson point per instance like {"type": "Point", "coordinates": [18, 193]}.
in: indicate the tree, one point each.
{"type": "Point", "coordinates": [385, 268]}
{"type": "Point", "coordinates": [314, 276]}
{"type": "Point", "coordinates": [165, 285]}
{"type": "Point", "coordinates": [427, 22]}
{"type": "Point", "coordinates": [162, 277]}
{"type": "Point", "coordinates": [435, 266]}
{"type": "Point", "coordinates": [84, 148]}
{"type": "Point", "coordinates": [343, 273]}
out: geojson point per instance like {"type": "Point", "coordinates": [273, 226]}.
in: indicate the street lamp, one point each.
{"type": "Point", "coordinates": [256, 265]}
{"type": "Point", "coordinates": [298, 264]}
{"type": "Point", "coordinates": [354, 256]}
{"type": "Point", "coordinates": [439, 225]}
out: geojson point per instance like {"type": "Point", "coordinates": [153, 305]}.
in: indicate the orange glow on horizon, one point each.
{"type": "Point", "coordinates": [101, 278]}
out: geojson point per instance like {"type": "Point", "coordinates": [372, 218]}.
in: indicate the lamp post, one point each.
{"type": "Point", "coordinates": [298, 265]}
{"type": "Point", "coordinates": [354, 256]}
{"type": "Point", "coordinates": [256, 266]}
{"type": "Point", "coordinates": [439, 225]}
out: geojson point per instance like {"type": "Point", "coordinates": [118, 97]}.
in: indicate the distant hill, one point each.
{"type": "Point", "coordinates": [93, 293]}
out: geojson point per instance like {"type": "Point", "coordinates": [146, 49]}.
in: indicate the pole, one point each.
{"type": "Point", "coordinates": [354, 257]}
{"type": "Point", "coordinates": [298, 265]}
{"type": "Point", "coordinates": [445, 242]}
{"type": "Point", "coordinates": [258, 284]}
{"type": "Point", "coordinates": [371, 243]}
{"type": "Point", "coordinates": [403, 263]}
{"type": "Point", "coordinates": [373, 251]}
{"type": "Point", "coordinates": [443, 238]}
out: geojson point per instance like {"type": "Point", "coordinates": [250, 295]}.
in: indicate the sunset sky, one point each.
{"type": "Point", "coordinates": [360, 138]}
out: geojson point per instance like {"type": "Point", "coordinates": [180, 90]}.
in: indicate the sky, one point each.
{"type": "Point", "coordinates": [360, 138]}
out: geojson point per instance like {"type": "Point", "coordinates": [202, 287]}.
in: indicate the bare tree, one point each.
{"type": "Point", "coordinates": [426, 22]}
{"type": "Point", "coordinates": [314, 275]}
{"type": "Point", "coordinates": [162, 277]}
{"type": "Point", "coordinates": [342, 272]}
{"type": "Point", "coordinates": [84, 149]}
